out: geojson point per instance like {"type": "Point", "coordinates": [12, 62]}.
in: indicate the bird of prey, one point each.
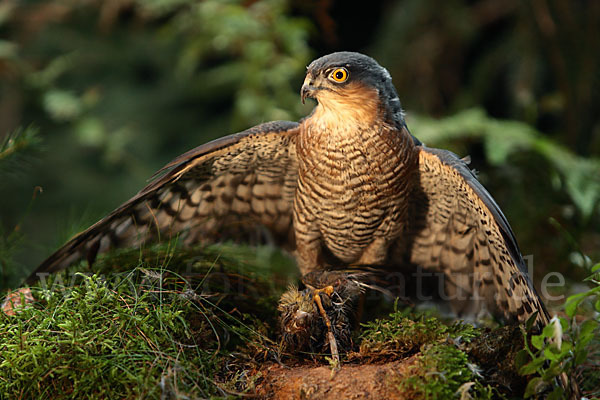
{"type": "Point", "coordinates": [346, 186]}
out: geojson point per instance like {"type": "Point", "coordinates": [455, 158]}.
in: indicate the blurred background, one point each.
{"type": "Point", "coordinates": [96, 95]}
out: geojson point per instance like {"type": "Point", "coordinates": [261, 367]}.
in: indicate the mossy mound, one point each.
{"type": "Point", "coordinates": [202, 323]}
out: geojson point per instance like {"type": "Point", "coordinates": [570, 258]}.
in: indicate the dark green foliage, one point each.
{"type": "Point", "coordinates": [570, 346]}
{"type": "Point", "coordinates": [10, 243]}
{"type": "Point", "coordinates": [16, 143]}
{"type": "Point", "coordinates": [15, 149]}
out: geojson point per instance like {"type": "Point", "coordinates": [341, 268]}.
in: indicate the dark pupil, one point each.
{"type": "Point", "coordinates": [339, 75]}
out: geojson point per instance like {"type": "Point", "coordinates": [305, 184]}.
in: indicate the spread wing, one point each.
{"type": "Point", "coordinates": [224, 189]}
{"type": "Point", "coordinates": [459, 230]}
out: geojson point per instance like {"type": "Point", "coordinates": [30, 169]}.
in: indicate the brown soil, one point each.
{"type": "Point", "coordinates": [352, 381]}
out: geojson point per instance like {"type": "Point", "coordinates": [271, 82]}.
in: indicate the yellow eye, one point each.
{"type": "Point", "coordinates": [339, 75]}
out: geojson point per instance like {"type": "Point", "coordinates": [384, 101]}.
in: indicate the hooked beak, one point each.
{"type": "Point", "coordinates": [308, 89]}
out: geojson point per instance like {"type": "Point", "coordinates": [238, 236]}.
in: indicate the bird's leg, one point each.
{"type": "Point", "coordinates": [335, 355]}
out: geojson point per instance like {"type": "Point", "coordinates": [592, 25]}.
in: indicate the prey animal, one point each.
{"type": "Point", "coordinates": [347, 186]}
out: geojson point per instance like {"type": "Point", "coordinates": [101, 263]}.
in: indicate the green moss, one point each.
{"type": "Point", "coordinates": [444, 372]}
{"type": "Point", "coordinates": [161, 329]}
{"type": "Point", "coordinates": [98, 342]}
{"type": "Point", "coordinates": [443, 368]}
{"type": "Point", "coordinates": [404, 334]}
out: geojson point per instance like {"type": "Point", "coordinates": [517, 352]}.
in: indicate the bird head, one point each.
{"type": "Point", "coordinates": [352, 82]}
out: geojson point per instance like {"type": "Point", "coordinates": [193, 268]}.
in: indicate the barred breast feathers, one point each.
{"type": "Point", "coordinates": [354, 174]}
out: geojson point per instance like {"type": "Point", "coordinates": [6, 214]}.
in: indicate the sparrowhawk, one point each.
{"type": "Point", "coordinates": [347, 185]}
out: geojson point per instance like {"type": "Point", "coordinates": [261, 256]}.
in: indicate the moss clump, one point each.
{"type": "Point", "coordinates": [401, 334]}
{"type": "Point", "coordinates": [444, 372]}
{"type": "Point", "coordinates": [153, 324]}
{"type": "Point", "coordinates": [94, 341]}
{"type": "Point", "coordinates": [443, 368]}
